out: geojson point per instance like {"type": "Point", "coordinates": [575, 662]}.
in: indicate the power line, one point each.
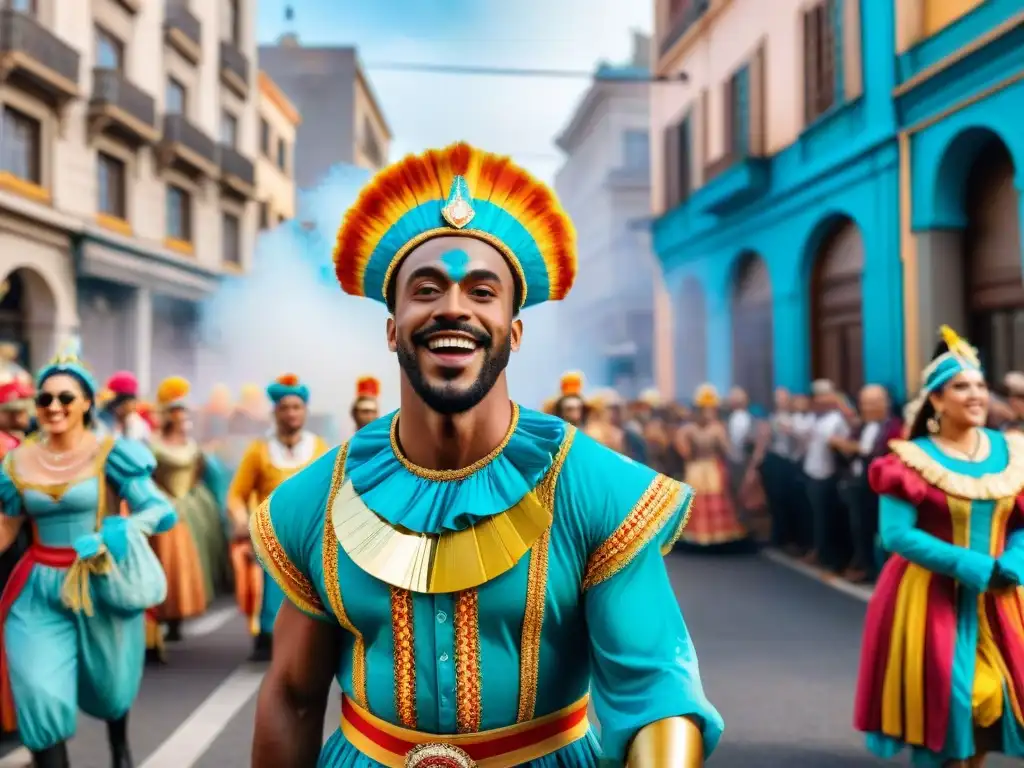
{"type": "Point", "coordinates": [555, 74]}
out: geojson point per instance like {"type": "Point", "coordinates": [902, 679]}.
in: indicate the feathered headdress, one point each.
{"type": "Point", "coordinates": [172, 393]}
{"type": "Point", "coordinates": [220, 402]}
{"type": "Point", "coordinates": [462, 191]}
{"type": "Point", "coordinates": [123, 383]}
{"type": "Point", "coordinates": [959, 356]}
{"type": "Point", "coordinates": [104, 396]}
{"type": "Point", "coordinates": [287, 384]}
{"type": "Point", "coordinates": [571, 384]}
{"type": "Point", "coordinates": [68, 360]}
{"type": "Point", "coordinates": [15, 396]}
{"type": "Point", "coordinates": [367, 387]}
{"type": "Point", "coordinates": [706, 396]}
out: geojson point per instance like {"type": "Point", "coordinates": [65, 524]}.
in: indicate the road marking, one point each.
{"type": "Point", "coordinates": [19, 758]}
{"type": "Point", "coordinates": [857, 591]}
{"type": "Point", "coordinates": [189, 742]}
{"type": "Point", "coordinates": [210, 622]}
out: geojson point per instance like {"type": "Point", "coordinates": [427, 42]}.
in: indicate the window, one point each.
{"type": "Point", "coordinates": [678, 152]}
{"type": "Point", "coordinates": [111, 185]}
{"type": "Point", "coordinates": [230, 22]}
{"type": "Point", "coordinates": [371, 147]}
{"type": "Point", "coordinates": [282, 155]}
{"type": "Point", "coordinates": [24, 6]}
{"type": "Point", "coordinates": [231, 238]}
{"type": "Point", "coordinates": [228, 129]}
{"type": "Point", "coordinates": [636, 150]}
{"type": "Point", "coordinates": [820, 58]}
{"type": "Point", "coordinates": [179, 213]}
{"type": "Point", "coordinates": [265, 138]}
{"type": "Point", "coordinates": [176, 98]}
{"type": "Point", "coordinates": [109, 51]}
{"type": "Point", "coordinates": [22, 145]}
{"type": "Point", "coordinates": [264, 215]}
{"type": "Point", "coordinates": [738, 113]}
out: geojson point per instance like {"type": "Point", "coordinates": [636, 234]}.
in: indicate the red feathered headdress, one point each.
{"type": "Point", "coordinates": [368, 387]}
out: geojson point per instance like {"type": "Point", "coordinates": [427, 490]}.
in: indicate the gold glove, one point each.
{"type": "Point", "coordinates": [675, 742]}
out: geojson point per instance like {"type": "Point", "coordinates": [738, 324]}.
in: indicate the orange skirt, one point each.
{"type": "Point", "coordinates": [186, 586]}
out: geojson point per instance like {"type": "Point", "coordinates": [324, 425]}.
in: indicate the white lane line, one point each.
{"type": "Point", "coordinates": [857, 591]}
{"type": "Point", "coordinates": [189, 742]}
{"type": "Point", "coordinates": [19, 758]}
{"type": "Point", "coordinates": [210, 622]}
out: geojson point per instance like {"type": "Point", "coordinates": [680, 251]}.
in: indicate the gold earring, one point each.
{"type": "Point", "coordinates": [934, 424]}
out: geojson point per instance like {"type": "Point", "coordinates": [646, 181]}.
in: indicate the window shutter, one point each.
{"type": "Point", "coordinates": [757, 107]}
{"type": "Point", "coordinates": [729, 119]}
{"type": "Point", "coordinates": [671, 165]}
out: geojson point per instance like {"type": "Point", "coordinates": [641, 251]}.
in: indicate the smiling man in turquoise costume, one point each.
{"type": "Point", "coordinates": [470, 571]}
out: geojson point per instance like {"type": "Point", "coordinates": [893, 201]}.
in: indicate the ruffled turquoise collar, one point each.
{"type": "Point", "coordinates": [430, 501]}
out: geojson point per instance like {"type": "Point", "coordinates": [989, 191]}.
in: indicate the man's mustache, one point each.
{"type": "Point", "coordinates": [480, 336]}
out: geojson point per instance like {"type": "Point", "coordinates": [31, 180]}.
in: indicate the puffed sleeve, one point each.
{"type": "Point", "coordinates": [901, 489]}
{"type": "Point", "coordinates": [129, 468]}
{"type": "Point", "coordinates": [287, 533]}
{"type": "Point", "coordinates": [644, 663]}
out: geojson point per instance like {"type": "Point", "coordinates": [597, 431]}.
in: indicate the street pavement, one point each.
{"type": "Point", "coordinates": [778, 655]}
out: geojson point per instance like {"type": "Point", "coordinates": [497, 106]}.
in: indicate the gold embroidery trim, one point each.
{"type": "Point", "coordinates": [536, 591]}
{"type": "Point", "coordinates": [405, 657]}
{"type": "Point", "coordinates": [687, 509]}
{"type": "Point", "coordinates": [333, 587]}
{"type": "Point", "coordinates": [650, 514]}
{"type": "Point", "coordinates": [467, 661]}
{"type": "Point", "coordinates": [269, 551]}
{"type": "Point", "coordinates": [451, 475]}
{"type": "Point", "coordinates": [998, 485]}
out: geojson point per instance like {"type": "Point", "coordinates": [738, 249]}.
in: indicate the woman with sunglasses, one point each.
{"type": "Point", "coordinates": [72, 612]}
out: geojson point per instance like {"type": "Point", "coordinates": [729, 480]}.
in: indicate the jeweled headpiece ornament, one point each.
{"type": "Point", "coordinates": [706, 396]}
{"type": "Point", "coordinates": [463, 191]}
{"type": "Point", "coordinates": [959, 356]}
{"type": "Point", "coordinates": [68, 360]}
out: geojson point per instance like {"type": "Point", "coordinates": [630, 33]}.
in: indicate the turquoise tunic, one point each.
{"type": "Point", "coordinates": [972, 567]}
{"type": "Point", "coordinates": [588, 606]}
{"type": "Point", "coordinates": [59, 659]}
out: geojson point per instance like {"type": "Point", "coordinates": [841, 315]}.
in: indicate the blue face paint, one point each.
{"type": "Point", "coordinates": [457, 263]}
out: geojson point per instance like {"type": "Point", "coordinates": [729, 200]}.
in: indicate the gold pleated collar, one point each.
{"type": "Point", "coordinates": [451, 561]}
{"type": "Point", "coordinates": [1006, 483]}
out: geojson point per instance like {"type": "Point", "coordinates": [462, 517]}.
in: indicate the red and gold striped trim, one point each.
{"type": "Point", "coordinates": [517, 744]}
{"type": "Point", "coordinates": [467, 661]}
{"type": "Point", "coordinates": [405, 656]}
{"type": "Point", "coordinates": [650, 514]}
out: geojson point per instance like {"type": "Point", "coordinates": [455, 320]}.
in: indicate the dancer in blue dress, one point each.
{"type": "Point", "coordinates": [72, 612]}
{"type": "Point", "coordinates": [472, 572]}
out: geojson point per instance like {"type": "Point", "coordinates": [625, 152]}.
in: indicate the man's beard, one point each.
{"type": "Point", "coordinates": [447, 399]}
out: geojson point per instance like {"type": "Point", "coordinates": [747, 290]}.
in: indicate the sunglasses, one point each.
{"type": "Point", "coordinates": [45, 399]}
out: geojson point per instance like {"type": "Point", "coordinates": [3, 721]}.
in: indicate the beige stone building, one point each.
{"type": "Point", "coordinates": [128, 136]}
{"type": "Point", "coordinates": [275, 166]}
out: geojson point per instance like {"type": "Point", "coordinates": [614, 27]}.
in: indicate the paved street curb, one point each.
{"type": "Point", "coordinates": [19, 757]}
{"type": "Point", "coordinates": [858, 591]}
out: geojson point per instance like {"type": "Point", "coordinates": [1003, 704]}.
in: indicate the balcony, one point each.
{"type": "Point", "coordinates": [734, 183]}
{"type": "Point", "coordinates": [121, 108]}
{"type": "Point", "coordinates": [234, 68]}
{"type": "Point", "coordinates": [187, 147]}
{"type": "Point", "coordinates": [183, 31]}
{"type": "Point", "coordinates": [680, 25]}
{"type": "Point", "coordinates": [132, 6]}
{"type": "Point", "coordinates": [237, 173]}
{"type": "Point", "coordinates": [32, 54]}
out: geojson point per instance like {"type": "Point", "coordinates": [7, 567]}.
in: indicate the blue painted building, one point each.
{"type": "Point", "coordinates": [826, 248]}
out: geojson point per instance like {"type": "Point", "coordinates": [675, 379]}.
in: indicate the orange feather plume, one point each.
{"type": "Point", "coordinates": [572, 384]}
{"type": "Point", "coordinates": [288, 380]}
{"type": "Point", "coordinates": [368, 386]}
{"type": "Point", "coordinates": [171, 389]}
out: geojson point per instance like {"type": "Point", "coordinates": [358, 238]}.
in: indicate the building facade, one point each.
{"type": "Point", "coordinates": [607, 323]}
{"type": "Point", "coordinates": [127, 133]}
{"type": "Point", "coordinates": [275, 166]}
{"type": "Point", "coordinates": [805, 227]}
{"type": "Point", "coordinates": [342, 121]}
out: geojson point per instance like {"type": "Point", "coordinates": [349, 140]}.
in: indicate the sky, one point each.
{"type": "Point", "coordinates": [515, 116]}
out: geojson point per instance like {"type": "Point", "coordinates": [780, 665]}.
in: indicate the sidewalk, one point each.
{"type": "Point", "coordinates": [861, 592]}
